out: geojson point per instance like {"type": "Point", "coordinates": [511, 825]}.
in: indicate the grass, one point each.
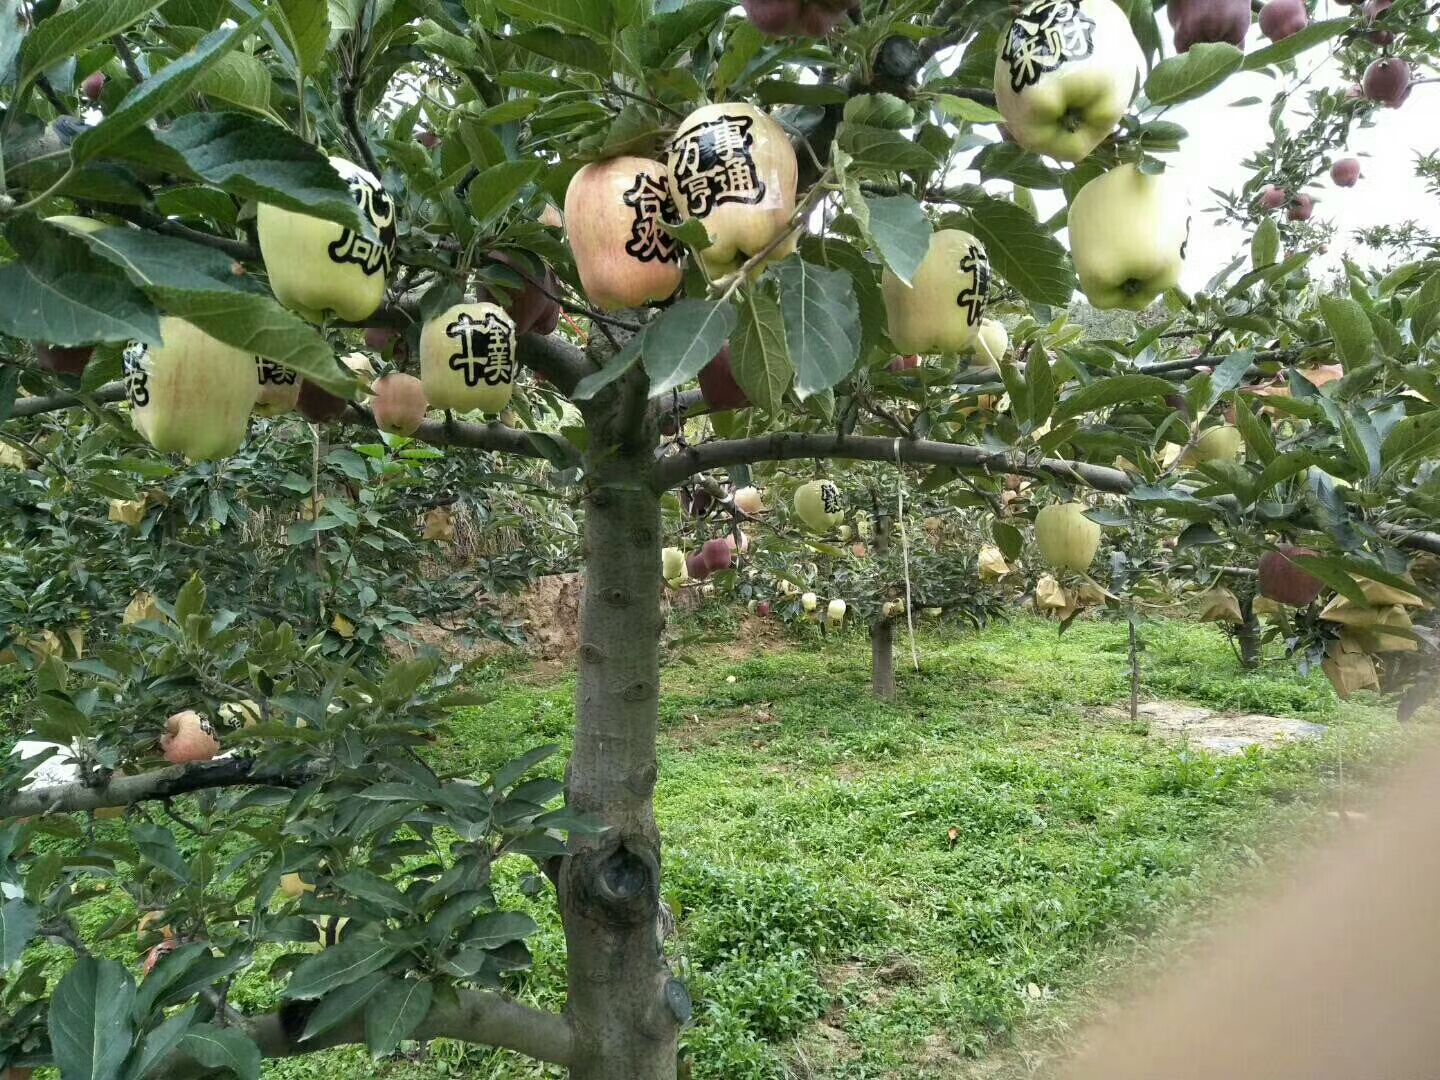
{"type": "Point", "coordinates": [867, 890]}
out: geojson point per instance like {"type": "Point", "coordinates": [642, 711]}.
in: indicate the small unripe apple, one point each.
{"type": "Point", "coordinates": [1345, 172]}
{"type": "Point", "coordinates": [93, 85]}
{"type": "Point", "coordinates": [399, 404]}
{"type": "Point", "coordinates": [749, 501]}
{"type": "Point", "coordinates": [1387, 81]}
{"type": "Point", "coordinates": [718, 386]}
{"type": "Point", "coordinates": [1301, 207]}
{"type": "Point", "coordinates": [1272, 198]}
{"type": "Point", "coordinates": [318, 405]}
{"type": "Point", "coordinates": [696, 568]}
{"type": "Point", "coordinates": [64, 361]}
{"type": "Point", "coordinates": [188, 737]}
{"type": "Point", "coordinates": [1281, 18]}
{"type": "Point", "coordinates": [716, 554]}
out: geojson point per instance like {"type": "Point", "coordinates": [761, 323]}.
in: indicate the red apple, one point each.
{"type": "Point", "coordinates": [64, 361]}
{"type": "Point", "coordinates": [92, 86]}
{"type": "Point", "coordinates": [1353, 92]}
{"type": "Point", "coordinates": [1281, 18]}
{"type": "Point", "coordinates": [696, 566]}
{"type": "Point", "coordinates": [697, 503]}
{"type": "Point", "coordinates": [1272, 198]}
{"type": "Point", "coordinates": [718, 385]}
{"type": "Point", "coordinates": [379, 338]}
{"type": "Point", "coordinates": [428, 139]}
{"type": "Point", "coordinates": [317, 405]}
{"type": "Point", "coordinates": [399, 404]}
{"type": "Point", "coordinates": [1197, 21]}
{"type": "Point", "coordinates": [1387, 81]}
{"type": "Point", "coordinates": [899, 364]}
{"type": "Point", "coordinates": [762, 608]}
{"type": "Point", "coordinates": [1284, 582]}
{"type": "Point", "coordinates": [532, 308]}
{"type": "Point", "coordinates": [188, 737]}
{"type": "Point", "coordinates": [716, 554]}
{"type": "Point", "coordinates": [1381, 37]}
{"type": "Point", "coordinates": [1301, 207]}
{"type": "Point", "coordinates": [1345, 172]}
{"type": "Point", "coordinates": [774, 17]}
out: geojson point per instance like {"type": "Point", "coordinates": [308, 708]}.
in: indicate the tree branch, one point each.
{"type": "Point", "coordinates": [236, 249]}
{"type": "Point", "coordinates": [101, 395]}
{"type": "Point", "coordinates": [495, 436]}
{"type": "Point", "coordinates": [158, 784]}
{"type": "Point", "coordinates": [789, 446]}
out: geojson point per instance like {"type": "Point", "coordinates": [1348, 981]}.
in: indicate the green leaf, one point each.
{"type": "Point", "coordinates": [342, 1003]}
{"type": "Point", "coordinates": [223, 1048]}
{"type": "Point", "coordinates": [199, 285]}
{"type": "Point", "coordinates": [1257, 437]}
{"type": "Point", "coordinates": [568, 49]}
{"type": "Point", "coordinates": [899, 232]}
{"type": "Point", "coordinates": [352, 959]}
{"type": "Point", "coordinates": [1296, 43]}
{"type": "Point", "coordinates": [369, 886]}
{"type": "Point", "coordinates": [1193, 73]}
{"type": "Point", "coordinates": [1362, 441]}
{"type": "Point", "coordinates": [618, 365]}
{"type": "Point", "coordinates": [1007, 538]}
{"type": "Point", "coordinates": [19, 919]}
{"type": "Point", "coordinates": [68, 33]}
{"type": "Point", "coordinates": [89, 1024]}
{"type": "Point", "coordinates": [494, 190]}
{"type": "Point", "coordinates": [259, 160]}
{"type": "Point", "coordinates": [1350, 328]}
{"type": "Point", "coordinates": [591, 18]}
{"type": "Point", "coordinates": [883, 150]}
{"type": "Point", "coordinates": [306, 26]}
{"type": "Point", "coordinates": [158, 1043]}
{"type": "Point", "coordinates": [1414, 438]}
{"type": "Point", "coordinates": [395, 1012]}
{"type": "Point", "coordinates": [238, 79]}
{"type": "Point", "coordinates": [1265, 244]}
{"type": "Point", "coordinates": [963, 109]}
{"type": "Point", "coordinates": [1041, 382]}
{"type": "Point", "coordinates": [1006, 161]}
{"type": "Point", "coordinates": [822, 324]}
{"type": "Point", "coordinates": [685, 338]}
{"type": "Point", "coordinates": [1021, 251]}
{"type": "Point", "coordinates": [759, 357]}
{"type": "Point", "coordinates": [157, 93]}
{"type": "Point", "coordinates": [1424, 310]}
{"type": "Point", "coordinates": [1111, 390]}
{"type": "Point", "coordinates": [496, 928]}
{"type": "Point", "coordinates": [57, 293]}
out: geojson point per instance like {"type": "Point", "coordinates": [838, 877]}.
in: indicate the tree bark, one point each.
{"type": "Point", "coordinates": [1247, 634]}
{"type": "Point", "coordinates": [625, 1007]}
{"type": "Point", "coordinates": [882, 659]}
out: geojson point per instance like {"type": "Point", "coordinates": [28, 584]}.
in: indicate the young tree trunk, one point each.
{"type": "Point", "coordinates": [624, 1006]}
{"type": "Point", "coordinates": [1247, 634]}
{"type": "Point", "coordinates": [882, 658]}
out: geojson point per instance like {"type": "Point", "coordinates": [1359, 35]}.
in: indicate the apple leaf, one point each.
{"type": "Point", "coordinates": [899, 231]}
{"type": "Point", "coordinates": [495, 189]}
{"type": "Point", "coordinates": [1258, 439]}
{"type": "Point", "coordinates": [1292, 46]}
{"type": "Point", "coordinates": [223, 1048]}
{"type": "Point", "coordinates": [590, 18]}
{"type": "Point", "coordinates": [1350, 328]}
{"type": "Point", "coordinates": [683, 340]}
{"type": "Point", "coordinates": [864, 278]}
{"type": "Point", "coordinates": [238, 79]}
{"type": "Point", "coordinates": [69, 32]}
{"type": "Point", "coordinates": [201, 286]}
{"type": "Point", "coordinates": [1413, 438]}
{"type": "Point", "coordinates": [394, 1013]}
{"type": "Point", "coordinates": [1265, 244]}
{"type": "Point", "coordinates": [340, 965]}
{"type": "Point", "coordinates": [1424, 310]}
{"type": "Point", "coordinates": [255, 159]}
{"type": "Point", "coordinates": [342, 1003]}
{"type": "Point", "coordinates": [57, 293]}
{"type": "Point", "coordinates": [619, 364]}
{"type": "Point", "coordinates": [759, 357]}
{"type": "Point", "coordinates": [822, 324]}
{"type": "Point", "coordinates": [18, 922]}
{"type": "Point", "coordinates": [306, 25]}
{"type": "Point", "coordinates": [159, 92]}
{"type": "Point", "coordinates": [1005, 161]}
{"type": "Point", "coordinates": [90, 1028]}
{"type": "Point", "coordinates": [158, 1043]}
{"type": "Point", "coordinates": [1111, 391]}
{"type": "Point", "coordinates": [1020, 250]}
{"type": "Point", "coordinates": [1192, 74]}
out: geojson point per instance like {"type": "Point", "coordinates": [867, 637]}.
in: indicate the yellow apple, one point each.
{"type": "Point", "coordinates": [467, 358]}
{"type": "Point", "coordinates": [1065, 74]}
{"type": "Point", "coordinates": [1128, 233]}
{"type": "Point", "coordinates": [992, 341]}
{"type": "Point", "coordinates": [733, 169]}
{"type": "Point", "coordinates": [1067, 539]}
{"type": "Point", "coordinates": [818, 505]}
{"type": "Point", "coordinates": [940, 310]}
{"type": "Point", "coordinates": [317, 266]}
{"type": "Point", "coordinates": [279, 388]}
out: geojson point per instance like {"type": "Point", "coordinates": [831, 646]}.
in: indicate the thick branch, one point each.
{"type": "Point", "coordinates": [159, 784]}
{"type": "Point", "coordinates": [788, 446]}
{"type": "Point", "coordinates": [101, 395]}
{"type": "Point", "coordinates": [496, 436]}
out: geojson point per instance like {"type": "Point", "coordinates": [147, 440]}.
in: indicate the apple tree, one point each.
{"type": "Point", "coordinates": [207, 201]}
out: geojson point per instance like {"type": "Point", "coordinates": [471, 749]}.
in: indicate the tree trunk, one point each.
{"type": "Point", "coordinates": [624, 1006]}
{"type": "Point", "coordinates": [882, 658]}
{"type": "Point", "coordinates": [1247, 634]}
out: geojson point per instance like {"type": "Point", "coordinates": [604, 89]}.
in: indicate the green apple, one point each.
{"type": "Point", "coordinates": [991, 343]}
{"type": "Point", "coordinates": [672, 566]}
{"type": "Point", "coordinates": [467, 358]}
{"type": "Point", "coordinates": [940, 310]}
{"type": "Point", "coordinates": [818, 505]}
{"type": "Point", "coordinates": [191, 394]}
{"type": "Point", "coordinates": [1128, 232]}
{"type": "Point", "coordinates": [1065, 74]}
{"type": "Point", "coordinates": [1067, 539]}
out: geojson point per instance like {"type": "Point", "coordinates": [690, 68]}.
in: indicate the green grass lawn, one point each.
{"type": "Point", "coordinates": [870, 890]}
